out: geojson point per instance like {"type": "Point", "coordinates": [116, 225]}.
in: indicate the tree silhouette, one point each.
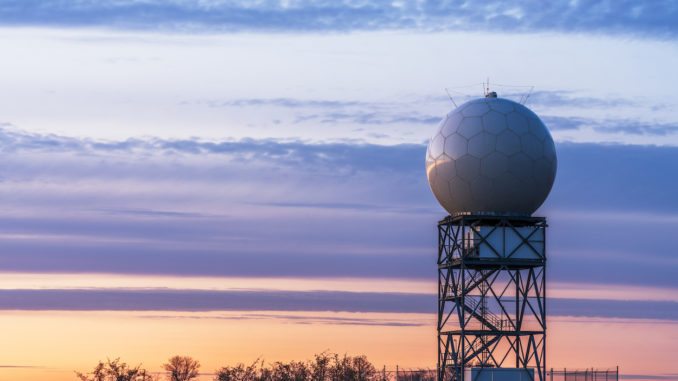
{"type": "Point", "coordinates": [292, 371]}
{"type": "Point", "coordinates": [325, 366]}
{"type": "Point", "coordinates": [363, 369]}
{"type": "Point", "coordinates": [242, 372]}
{"type": "Point", "coordinates": [320, 368]}
{"type": "Point", "coordinates": [116, 371]}
{"type": "Point", "coordinates": [182, 368]}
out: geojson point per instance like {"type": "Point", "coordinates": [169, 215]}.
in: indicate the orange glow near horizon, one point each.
{"type": "Point", "coordinates": [50, 345]}
{"type": "Point", "coordinates": [637, 346]}
{"type": "Point", "coordinates": [60, 342]}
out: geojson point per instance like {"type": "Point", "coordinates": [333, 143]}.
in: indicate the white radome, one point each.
{"type": "Point", "coordinates": [491, 156]}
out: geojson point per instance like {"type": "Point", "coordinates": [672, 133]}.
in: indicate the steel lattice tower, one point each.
{"type": "Point", "coordinates": [491, 297]}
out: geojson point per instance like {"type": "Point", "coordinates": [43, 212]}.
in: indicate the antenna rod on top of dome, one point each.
{"type": "Point", "coordinates": [524, 98]}
{"type": "Point", "coordinates": [450, 95]}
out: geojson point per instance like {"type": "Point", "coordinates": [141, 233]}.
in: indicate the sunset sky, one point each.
{"type": "Point", "coordinates": [234, 180]}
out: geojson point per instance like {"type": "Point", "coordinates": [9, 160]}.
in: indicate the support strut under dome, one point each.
{"type": "Point", "coordinates": [491, 298]}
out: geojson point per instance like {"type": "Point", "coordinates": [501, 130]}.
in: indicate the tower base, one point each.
{"type": "Point", "coordinates": [499, 374]}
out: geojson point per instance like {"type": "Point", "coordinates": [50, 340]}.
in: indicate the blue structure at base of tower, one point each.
{"type": "Point", "coordinates": [491, 298]}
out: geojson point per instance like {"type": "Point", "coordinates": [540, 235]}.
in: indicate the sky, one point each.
{"type": "Point", "coordinates": [234, 180]}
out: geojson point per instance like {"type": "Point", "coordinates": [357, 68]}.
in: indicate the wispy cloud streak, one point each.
{"type": "Point", "coordinates": [611, 126]}
{"type": "Point", "coordinates": [271, 300]}
{"type": "Point", "coordinates": [180, 300]}
{"type": "Point", "coordinates": [299, 319]}
{"type": "Point", "coordinates": [556, 106]}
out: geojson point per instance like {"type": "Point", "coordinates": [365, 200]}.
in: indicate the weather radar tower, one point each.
{"type": "Point", "coordinates": [491, 164]}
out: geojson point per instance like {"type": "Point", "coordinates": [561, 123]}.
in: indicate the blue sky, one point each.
{"type": "Point", "coordinates": [334, 210]}
{"type": "Point", "coordinates": [286, 139]}
{"type": "Point", "coordinates": [137, 124]}
{"type": "Point", "coordinates": [655, 19]}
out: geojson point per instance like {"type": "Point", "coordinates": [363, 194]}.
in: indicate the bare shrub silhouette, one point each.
{"type": "Point", "coordinates": [241, 372]}
{"type": "Point", "coordinates": [182, 368]}
{"type": "Point", "coordinates": [324, 367]}
{"type": "Point", "coordinates": [116, 371]}
{"type": "Point", "coordinates": [292, 371]}
{"type": "Point", "coordinates": [320, 367]}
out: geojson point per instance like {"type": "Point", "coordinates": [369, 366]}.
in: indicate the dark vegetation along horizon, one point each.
{"type": "Point", "coordinates": [325, 366]}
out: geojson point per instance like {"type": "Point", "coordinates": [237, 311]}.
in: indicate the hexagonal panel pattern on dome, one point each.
{"type": "Point", "coordinates": [491, 155]}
